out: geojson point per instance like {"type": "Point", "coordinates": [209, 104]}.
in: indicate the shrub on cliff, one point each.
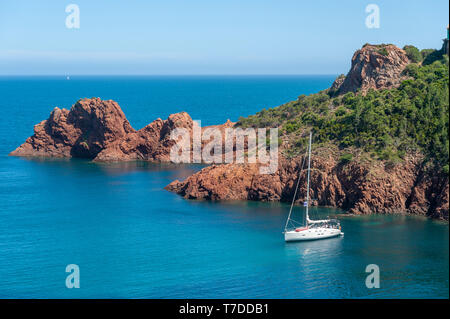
{"type": "Point", "coordinates": [436, 55]}
{"type": "Point", "coordinates": [426, 52]}
{"type": "Point", "coordinates": [385, 123]}
{"type": "Point", "coordinates": [383, 51]}
{"type": "Point", "coordinates": [411, 70]}
{"type": "Point", "coordinates": [445, 169]}
{"type": "Point", "coordinates": [346, 158]}
{"type": "Point", "coordinates": [413, 53]}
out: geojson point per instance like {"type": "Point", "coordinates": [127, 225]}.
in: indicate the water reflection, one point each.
{"type": "Point", "coordinates": [180, 171]}
{"type": "Point", "coordinates": [317, 264]}
{"type": "Point", "coordinates": [328, 249]}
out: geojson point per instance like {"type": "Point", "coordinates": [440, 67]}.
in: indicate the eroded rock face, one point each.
{"type": "Point", "coordinates": [374, 67]}
{"type": "Point", "coordinates": [361, 189]}
{"type": "Point", "coordinates": [98, 130]}
{"type": "Point", "coordinates": [334, 89]}
{"type": "Point", "coordinates": [89, 127]}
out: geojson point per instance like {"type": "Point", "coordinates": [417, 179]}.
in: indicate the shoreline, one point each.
{"type": "Point", "coordinates": [199, 166]}
{"type": "Point", "coordinates": [390, 175]}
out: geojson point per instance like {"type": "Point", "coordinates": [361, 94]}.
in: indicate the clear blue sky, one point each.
{"type": "Point", "coordinates": [207, 36]}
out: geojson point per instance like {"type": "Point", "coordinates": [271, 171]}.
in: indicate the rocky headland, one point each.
{"type": "Point", "coordinates": [98, 130]}
{"type": "Point", "coordinates": [373, 67]}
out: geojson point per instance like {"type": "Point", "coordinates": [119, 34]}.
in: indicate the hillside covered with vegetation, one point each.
{"type": "Point", "coordinates": [384, 124]}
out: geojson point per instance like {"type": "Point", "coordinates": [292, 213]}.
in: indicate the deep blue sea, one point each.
{"type": "Point", "coordinates": [132, 239]}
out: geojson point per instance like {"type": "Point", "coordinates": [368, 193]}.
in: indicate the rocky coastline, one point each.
{"type": "Point", "coordinates": [98, 130]}
{"type": "Point", "coordinates": [358, 187]}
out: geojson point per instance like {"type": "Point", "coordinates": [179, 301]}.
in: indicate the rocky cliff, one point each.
{"type": "Point", "coordinates": [98, 130]}
{"type": "Point", "coordinates": [373, 67]}
{"type": "Point", "coordinates": [361, 188]}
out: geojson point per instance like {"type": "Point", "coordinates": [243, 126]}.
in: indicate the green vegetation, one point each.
{"type": "Point", "coordinates": [426, 52]}
{"type": "Point", "coordinates": [427, 56]}
{"type": "Point", "coordinates": [435, 55]}
{"type": "Point", "coordinates": [413, 53]}
{"type": "Point", "coordinates": [386, 124]}
{"type": "Point", "coordinates": [383, 51]}
{"type": "Point", "coordinates": [346, 158]}
{"type": "Point", "coordinates": [445, 169]}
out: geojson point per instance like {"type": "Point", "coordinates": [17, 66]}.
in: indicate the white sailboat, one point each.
{"type": "Point", "coordinates": [313, 229]}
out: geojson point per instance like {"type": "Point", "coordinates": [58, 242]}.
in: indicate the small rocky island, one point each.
{"type": "Point", "coordinates": [98, 130]}
{"type": "Point", "coordinates": [352, 169]}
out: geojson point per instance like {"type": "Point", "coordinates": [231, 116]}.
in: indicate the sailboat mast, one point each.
{"type": "Point", "coordinates": [292, 204]}
{"type": "Point", "coordinates": [295, 193]}
{"type": "Point", "coordinates": [309, 169]}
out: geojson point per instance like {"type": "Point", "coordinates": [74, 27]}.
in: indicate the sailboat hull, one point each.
{"type": "Point", "coordinates": [315, 229]}
{"type": "Point", "coordinates": [312, 234]}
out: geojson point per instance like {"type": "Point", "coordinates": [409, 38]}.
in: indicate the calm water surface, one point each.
{"type": "Point", "coordinates": [132, 239]}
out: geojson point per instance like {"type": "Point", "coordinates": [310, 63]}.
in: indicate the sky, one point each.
{"type": "Point", "coordinates": [199, 37]}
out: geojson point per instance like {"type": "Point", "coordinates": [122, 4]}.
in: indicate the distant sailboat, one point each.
{"type": "Point", "coordinates": [314, 229]}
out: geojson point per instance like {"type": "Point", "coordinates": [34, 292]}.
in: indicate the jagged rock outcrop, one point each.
{"type": "Point", "coordinates": [334, 89]}
{"type": "Point", "coordinates": [98, 130]}
{"type": "Point", "coordinates": [361, 189]}
{"type": "Point", "coordinates": [373, 67]}
{"type": "Point", "coordinates": [89, 127]}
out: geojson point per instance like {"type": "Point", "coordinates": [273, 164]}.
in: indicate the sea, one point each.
{"type": "Point", "coordinates": [130, 238]}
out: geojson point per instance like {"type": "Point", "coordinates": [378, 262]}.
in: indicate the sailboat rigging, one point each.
{"type": "Point", "coordinates": [313, 229]}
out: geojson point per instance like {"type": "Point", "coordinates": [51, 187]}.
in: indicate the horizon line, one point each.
{"type": "Point", "coordinates": [203, 74]}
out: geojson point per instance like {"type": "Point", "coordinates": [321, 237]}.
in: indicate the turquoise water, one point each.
{"type": "Point", "coordinates": [132, 239]}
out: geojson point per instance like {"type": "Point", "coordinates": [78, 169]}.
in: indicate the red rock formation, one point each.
{"type": "Point", "coordinates": [334, 89]}
{"type": "Point", "coordinates": [374, 67]}
{"type": "Point", "coordinates": [89, 127]}
{"type": "Point", "coordinates": [357, 187]}
{"type": "Point", "coordinates": [361, 189]}
{"type": "Point", "coordinates": [99, 130]}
